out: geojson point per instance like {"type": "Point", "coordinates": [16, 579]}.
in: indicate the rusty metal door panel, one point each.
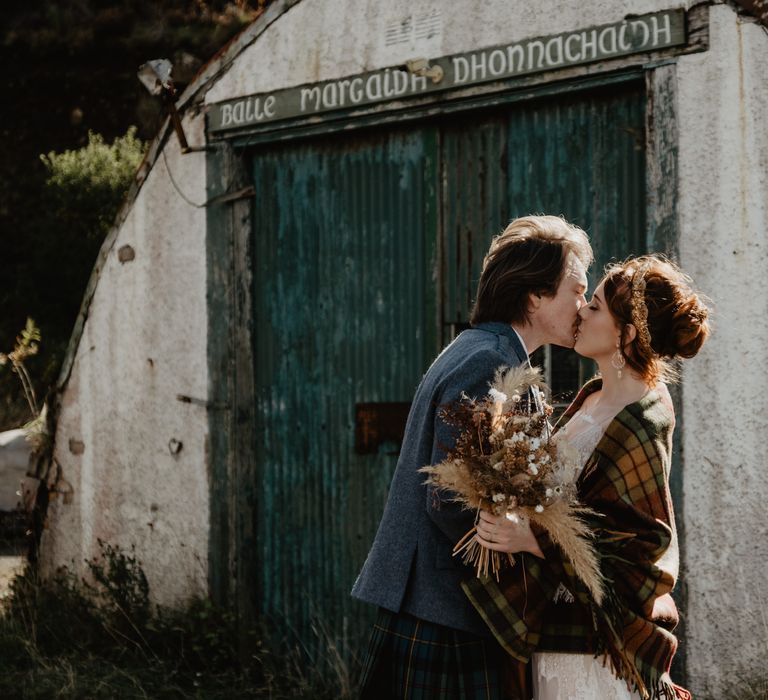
{"type": "Point", "coordinates": [584, 157]}
{"type": "Point", "coordinates": [475, 207]}
{"type": "Point", "coordinates": [344, 304]}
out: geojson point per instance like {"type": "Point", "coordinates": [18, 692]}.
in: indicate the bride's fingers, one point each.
{"type": "Point", "coordinates": [488, 530]}
{"type": "Point", "coordinates": [488, 544]}
{"type": "Point", "coordinates": [487, 517]}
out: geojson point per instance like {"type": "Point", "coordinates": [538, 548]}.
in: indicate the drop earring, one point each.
{"type": "Point", "coordinates": [617, 360]}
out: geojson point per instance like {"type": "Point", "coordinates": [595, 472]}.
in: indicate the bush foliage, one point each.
{"type": "Point", "coordinates": [83, 191]}
{"type": "Point", "coordinates": [87, 185]}
{"type": "Point", "coordinates": [101, 637]}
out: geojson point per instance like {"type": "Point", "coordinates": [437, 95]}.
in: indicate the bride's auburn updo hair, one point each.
{"type": "Point", "coordinates": [655, 296]}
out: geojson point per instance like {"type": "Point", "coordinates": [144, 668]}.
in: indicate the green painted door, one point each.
{"type": "Point", "coordinates": [344, 305]}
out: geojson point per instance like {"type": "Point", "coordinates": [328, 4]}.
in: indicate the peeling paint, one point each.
{"type": "Point", "coordinates": [126, 253]}
{"type": "Point", "coordinates": [76, 447]}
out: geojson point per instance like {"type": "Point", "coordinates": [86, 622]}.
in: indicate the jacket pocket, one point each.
{"type": "Point", "coordinates": [444, 558]}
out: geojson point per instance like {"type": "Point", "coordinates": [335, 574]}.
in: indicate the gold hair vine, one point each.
{"type": "Point", "coordinates": [640, 309]}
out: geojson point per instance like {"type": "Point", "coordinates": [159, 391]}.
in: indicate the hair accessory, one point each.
{"type": "Point", "coordinates": [640, 309]}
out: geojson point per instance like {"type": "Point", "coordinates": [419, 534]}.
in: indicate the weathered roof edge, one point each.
{"type": "Point", "coordinates": [191, 96]}
{"type": "Point", "coordinates": [755, 8]}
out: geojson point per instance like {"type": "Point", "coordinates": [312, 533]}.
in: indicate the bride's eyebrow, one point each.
{"type": "Point", "coordinates": [596, 298]}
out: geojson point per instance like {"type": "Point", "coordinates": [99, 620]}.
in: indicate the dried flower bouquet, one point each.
{"type": "Point", "coordinates": [505, 462]}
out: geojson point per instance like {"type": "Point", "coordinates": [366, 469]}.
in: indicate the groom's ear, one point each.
{"type": "Point", "coordinates": [534, 301]}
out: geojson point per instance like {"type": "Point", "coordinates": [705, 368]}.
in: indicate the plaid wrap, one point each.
{"type": "Point", "coordinates": [626, 481]}
{"type": "Point", "coordinates": [412, 659]}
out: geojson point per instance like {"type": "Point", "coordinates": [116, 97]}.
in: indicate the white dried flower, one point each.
{"type": "Point", "coordinates": [535, 442]}
{"type": "Point", "coordinates": [539, 508]}
{"type": "Point", "coordinates": [548, 492]}
{"type": "Point", "coordinates": [498, 497]}
{"type": "Point", "coordinates": [497, 395]}
{"type": "Point", "coordinates": [498, 466]}
{"type": "Point", "coordinates": [515, 397]}
{"type": "Point", "coordinates": [533, 469]}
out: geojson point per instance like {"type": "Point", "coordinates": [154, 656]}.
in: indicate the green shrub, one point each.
{"type": "Point", "coordinates": [60, 238]}
{"type": "Point", "coordinates": [100, 637]}
{"type": "Point", "coordinates": [87, 185]}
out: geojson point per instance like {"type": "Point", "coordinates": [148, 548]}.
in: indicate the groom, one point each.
{"type": "Point", "coordinates": [428, 641]}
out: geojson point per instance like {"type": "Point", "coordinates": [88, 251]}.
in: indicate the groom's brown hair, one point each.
{"type": "Point", "coordinates": [529, 257]}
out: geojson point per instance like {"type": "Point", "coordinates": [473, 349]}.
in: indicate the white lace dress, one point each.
{"type": "Point", "coordinates": [570, 676]}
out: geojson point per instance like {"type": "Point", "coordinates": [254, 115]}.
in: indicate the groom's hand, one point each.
{"type": "Point", "coordinates": [511, 533]}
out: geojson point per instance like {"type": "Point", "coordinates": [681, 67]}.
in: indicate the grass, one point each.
{"type": "Point", "coordinates": [101, 638]}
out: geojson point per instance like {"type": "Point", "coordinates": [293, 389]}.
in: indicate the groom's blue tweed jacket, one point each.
{"type": "Point", "coordinates": [410, 567]}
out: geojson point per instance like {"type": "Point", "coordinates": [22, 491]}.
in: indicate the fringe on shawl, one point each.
{"type": "Point", "coordinates": [650, 685]}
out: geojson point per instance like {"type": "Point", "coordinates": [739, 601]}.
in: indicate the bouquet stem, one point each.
{"type": "Point", "coordinates": [485, 561]}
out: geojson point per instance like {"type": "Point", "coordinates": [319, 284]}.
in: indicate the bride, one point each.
{"type": "Point", "coordinates": [643, 314]}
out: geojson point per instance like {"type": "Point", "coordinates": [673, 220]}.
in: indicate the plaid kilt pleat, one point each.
{"type": "Point", "coordinates": [412, 659]}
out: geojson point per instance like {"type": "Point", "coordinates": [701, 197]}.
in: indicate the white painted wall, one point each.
{"type": "Point", "coordinates": [144, 342]}
{"type": "Point", "coordinates": [324, 39]}
{"type": "Point", "coordinates": [723, 103]}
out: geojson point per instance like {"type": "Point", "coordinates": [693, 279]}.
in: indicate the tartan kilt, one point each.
{"type": "Point", "coordinates": [412, 659]}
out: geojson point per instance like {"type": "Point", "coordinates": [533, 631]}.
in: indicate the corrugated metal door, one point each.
{"type": "Point", "coordinates": [344, 306]}
{"type": "Point", "coordinates": [367, 250]}
{"type": "Point", "coordinates": [582, 156]}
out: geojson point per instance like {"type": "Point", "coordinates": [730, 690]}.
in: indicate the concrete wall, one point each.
{"type": "Point", "coordinates": [323, 39]}
{"type": "Point", "coordinates": [143, 343]}
{"type": "Point", "coordinates": [723, 102]}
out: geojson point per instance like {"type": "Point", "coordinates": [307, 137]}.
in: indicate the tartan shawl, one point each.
{"type": "Point", "coordinates": [540, 605]}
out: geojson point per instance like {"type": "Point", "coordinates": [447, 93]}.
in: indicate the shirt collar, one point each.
{"type": "Point", "coordinates": [522, 342]}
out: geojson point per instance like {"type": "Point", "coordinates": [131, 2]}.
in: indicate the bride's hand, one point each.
{"type": "Point", "coordinates": [511, 533]}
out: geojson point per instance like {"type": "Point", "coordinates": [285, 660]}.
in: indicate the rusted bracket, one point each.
{"type": "Point", "coordinates": [244, 193]}
{"type": "Point", "coordinates": [202, 402]}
